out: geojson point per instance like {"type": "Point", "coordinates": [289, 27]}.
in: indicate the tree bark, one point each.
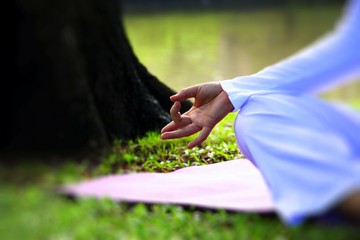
{"type": "Point", "coordinates": [75, 83]}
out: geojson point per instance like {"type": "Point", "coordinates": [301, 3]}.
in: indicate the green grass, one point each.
{"type": "Point", "coordinates": [30, 209]}
{"type": "Point", "coordinates": [40, 215]}
{"type": "Point", "coordinates": [151, 154]}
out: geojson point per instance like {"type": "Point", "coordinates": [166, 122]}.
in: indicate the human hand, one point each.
{"type": "Point", "coordinates": [211, 105]}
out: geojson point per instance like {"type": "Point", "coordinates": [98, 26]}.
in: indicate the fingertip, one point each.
{"type": "Point", "coordinates": [163, 136]}
{"type": "Point", "coordinates": [173, 98]}
{"type": "Point", "coordinates": [191, 145]}
{"type": "Point", "coordinates": [163, 130]}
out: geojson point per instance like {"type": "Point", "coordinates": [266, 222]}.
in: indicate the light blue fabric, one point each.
{"type": "Point", "coordinates": [308, 150]}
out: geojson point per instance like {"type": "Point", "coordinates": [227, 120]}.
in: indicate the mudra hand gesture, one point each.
{"type": "Point", "coordinates": [211, 105]}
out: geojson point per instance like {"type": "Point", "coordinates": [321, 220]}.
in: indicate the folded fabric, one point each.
{"type": "Point", "coordinates": [234, 185]}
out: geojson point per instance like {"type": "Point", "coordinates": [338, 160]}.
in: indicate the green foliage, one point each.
{"type": "Point", "coordinates": [152, 154]}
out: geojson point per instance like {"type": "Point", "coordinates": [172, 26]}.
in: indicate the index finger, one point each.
{"type": "Point", "coordinates": [184, 94]}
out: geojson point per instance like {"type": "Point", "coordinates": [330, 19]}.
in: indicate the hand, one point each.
{"type": "Point", "coordinates": [211, 105]}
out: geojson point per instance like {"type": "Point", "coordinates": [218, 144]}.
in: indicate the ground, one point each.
{"type": "Point", "coordinates": [31, 209]}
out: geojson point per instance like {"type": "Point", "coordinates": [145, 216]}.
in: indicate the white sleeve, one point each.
{"type": "Point", "coordinates": [329, 61]}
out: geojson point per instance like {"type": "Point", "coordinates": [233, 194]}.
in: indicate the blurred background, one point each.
{"type": "Point", "coordinates": [185, 42]}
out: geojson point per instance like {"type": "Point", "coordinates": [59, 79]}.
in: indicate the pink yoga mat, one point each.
{"type": "Point", "coordinates": [233, 185]}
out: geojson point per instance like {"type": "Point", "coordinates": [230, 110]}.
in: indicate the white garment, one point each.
{"type": "Point", "coordinates": [307, 150]}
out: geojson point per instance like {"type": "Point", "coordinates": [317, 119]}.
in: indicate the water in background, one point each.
{"type": "Point", "coordinates": [186, 48]}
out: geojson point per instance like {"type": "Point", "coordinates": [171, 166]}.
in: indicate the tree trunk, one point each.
{"type": "Point", "coordinates": [75, 83]}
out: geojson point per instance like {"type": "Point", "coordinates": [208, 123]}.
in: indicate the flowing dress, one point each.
{"type": "Point", "coordinates": [308, 150]}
